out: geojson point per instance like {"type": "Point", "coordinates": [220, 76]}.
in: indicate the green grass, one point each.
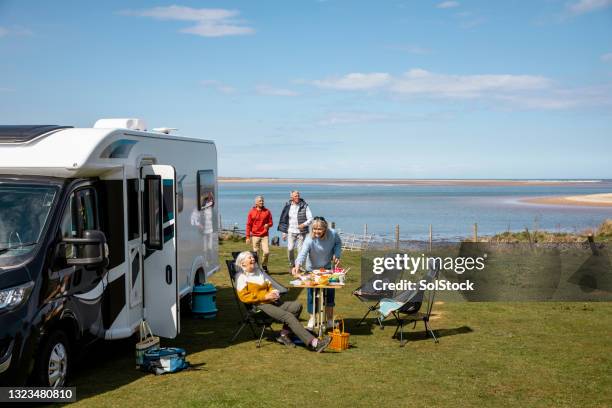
{"type": "Point", "coordinates": [490, 354]}
{"type": "Point", "coordinates": [603, 233]}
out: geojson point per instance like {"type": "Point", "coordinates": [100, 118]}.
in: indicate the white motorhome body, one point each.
{"type": "Point", "coordinates": [148, 272]}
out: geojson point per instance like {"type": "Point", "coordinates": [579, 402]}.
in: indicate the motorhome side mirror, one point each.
{"type": "Point", "coordinates": [90, 250]}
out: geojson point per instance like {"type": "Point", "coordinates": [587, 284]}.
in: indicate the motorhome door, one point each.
{"type": "Point", "coordinates": [160, 277]}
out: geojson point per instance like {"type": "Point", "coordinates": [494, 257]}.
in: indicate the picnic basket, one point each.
{"type": "Point", "coordinates": [340, 338]}
{"type": "Point", "coordinates": [147, 342]}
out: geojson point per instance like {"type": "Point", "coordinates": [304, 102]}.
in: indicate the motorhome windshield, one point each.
{"type": "Point", "coordinates": [24, 209]}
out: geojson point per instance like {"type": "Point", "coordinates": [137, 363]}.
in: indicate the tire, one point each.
{"type": "Point", "coordinates": [53, 362]}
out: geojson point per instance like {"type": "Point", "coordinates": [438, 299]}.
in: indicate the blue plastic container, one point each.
{"type": "Point", "coordinates": [204, 301]}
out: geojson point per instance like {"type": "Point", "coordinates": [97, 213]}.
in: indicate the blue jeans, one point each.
{"type": "Point", "coordinates": [330, 296]}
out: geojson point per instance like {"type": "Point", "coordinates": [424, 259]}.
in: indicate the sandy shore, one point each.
{"type": "Point", "coordinates": [590, 200]}
{"type": "Point", "coordinates": [416, 182]}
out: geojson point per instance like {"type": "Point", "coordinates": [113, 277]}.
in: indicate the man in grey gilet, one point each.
{"type": "Point", "coordinates": [294, 221]}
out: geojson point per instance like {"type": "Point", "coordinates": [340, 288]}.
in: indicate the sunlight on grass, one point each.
{"type": "Point", "coordinates": [490, 354]}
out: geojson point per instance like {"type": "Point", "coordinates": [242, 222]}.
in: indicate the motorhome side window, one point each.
{"type": "Point", "coordinates": [153, 212]}
{"type": "Point", "coordinates": [80, 215]}
{"type": "Point", "coordinates": [206, 189]}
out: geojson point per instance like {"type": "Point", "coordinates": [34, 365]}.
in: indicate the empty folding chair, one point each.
{"type": "Point", "coordinates": [406, 307]}
{"type": "Point", "coordinates": [367, 293]}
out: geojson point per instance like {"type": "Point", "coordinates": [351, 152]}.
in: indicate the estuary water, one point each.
{"type": "Point", "coordinates": [452, 210]}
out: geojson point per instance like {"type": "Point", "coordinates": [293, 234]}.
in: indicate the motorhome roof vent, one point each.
{"type": "Point", "coordinates": [128, 123]}
{"type": "Point", "coordinates": [165, 130]}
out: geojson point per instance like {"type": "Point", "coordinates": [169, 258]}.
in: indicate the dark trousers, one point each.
{"type": "Point", "coordinates": [288, 313]}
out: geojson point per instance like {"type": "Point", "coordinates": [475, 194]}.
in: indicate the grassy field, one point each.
{"type": "Point", "coordinates": [490, 354]}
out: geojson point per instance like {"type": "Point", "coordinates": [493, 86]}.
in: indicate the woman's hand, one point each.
{"type": "Point", "coordinates": [295, 271]}
{"type": "Point", "coordinates": [272, 295]}
{"type": "Point", "coordinates": [284, 236]}
{"type": "Point", "coordinates": [336, 262]}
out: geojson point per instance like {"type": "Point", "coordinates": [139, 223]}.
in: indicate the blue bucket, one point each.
{"type": "Point", "coordinates": [204, 301]}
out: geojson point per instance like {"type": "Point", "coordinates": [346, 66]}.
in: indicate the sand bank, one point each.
{"type": "Point", "coordinates": [590, 200]}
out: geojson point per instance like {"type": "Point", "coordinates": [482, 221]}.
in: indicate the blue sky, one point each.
{"type": "Point", "coordinates": [307, 88]}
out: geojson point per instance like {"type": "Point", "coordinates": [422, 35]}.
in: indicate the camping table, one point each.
{"type": "Point", "coordinates": [319, 293]}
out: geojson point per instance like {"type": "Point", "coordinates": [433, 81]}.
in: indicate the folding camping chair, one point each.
{"type": "Point", "coordinates": [367, 293]}
{"type": "Point", "coordinates": [406, 307]}
{"type": "Point", "coordinates": [250, 314]}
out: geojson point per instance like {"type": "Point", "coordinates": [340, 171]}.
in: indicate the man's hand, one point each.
{"type": "Point", "coordinates": [248, 240]}
{"type": "Point", "coordinates": [284, 236]}
{"type": "Point", "coordinates": [266, 226]}
{"type": "Point", "coordinates": [295, 271]}
{"type": "Point", "coordinates": [301, 226]}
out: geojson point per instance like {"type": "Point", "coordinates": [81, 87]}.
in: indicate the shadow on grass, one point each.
{"type": "Point", "coordinates": [440, 333]}
{"type": "Point", "coordinates": [109, 365]}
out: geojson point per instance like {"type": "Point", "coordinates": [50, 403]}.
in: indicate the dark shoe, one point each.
{"type": "Point", "coordinates": [265, 268]}
{"type": "Point", "coordinates": [285, 340]}
{"type": "Point", "coordinates": [322, 344]}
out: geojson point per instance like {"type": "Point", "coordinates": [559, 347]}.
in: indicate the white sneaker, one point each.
{"type": "Point", "coordinates": [311, 322]}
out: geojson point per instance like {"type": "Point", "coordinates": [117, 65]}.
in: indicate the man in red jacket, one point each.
{"type": "Point", "coordinates": [258, 223]}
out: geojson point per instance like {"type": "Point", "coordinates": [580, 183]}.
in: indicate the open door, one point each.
{"type": "Point", "coordinates": [160, 275]}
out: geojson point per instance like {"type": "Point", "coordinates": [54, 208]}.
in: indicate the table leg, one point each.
{"type": "Point", "coordinates": [322, 323]}
{"type": "Point", "coordinates": [314, 306]}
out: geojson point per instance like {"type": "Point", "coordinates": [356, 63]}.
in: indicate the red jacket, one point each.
{"type": "Point", "coordinates": [256, 220]}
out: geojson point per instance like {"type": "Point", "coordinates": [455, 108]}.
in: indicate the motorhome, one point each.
{"type": "Point", "coordinates": [100, 228]}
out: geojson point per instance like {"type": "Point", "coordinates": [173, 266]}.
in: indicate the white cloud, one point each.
{"type": "Point", "coordinates": [217, 85]}
{"type": "Point", "coordinates": [355, 81]}
{"type": "Point", "coordinates": [421, 82]}
{"type": "Point", "coordinates": [208, 22]}
{"type": "Point", "coordinates": [271, 91]}
{"type": "Point", "coordinates": [515, 91]}
{"type": "Point", "coordinates": [586, 6]}
{"type": "Point", "coordinates": [607, 57]}
{"type": "Point", "coordinates": [447, 4]}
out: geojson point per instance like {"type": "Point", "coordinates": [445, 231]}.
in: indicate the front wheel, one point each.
{"type": "Point", "coordinates": [53, 361]}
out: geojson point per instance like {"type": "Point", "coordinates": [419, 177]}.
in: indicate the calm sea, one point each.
{"type": "Point", "coordinates": [451, 210]}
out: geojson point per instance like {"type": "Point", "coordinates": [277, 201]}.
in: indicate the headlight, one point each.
{"type": "Point", "coordinates": [12, 297]}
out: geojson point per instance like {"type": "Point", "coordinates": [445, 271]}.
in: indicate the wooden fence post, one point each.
{"type": "Point", "coordinates": [397, 236]}
{"type": "Point", "coordinates": [475, 232]}
{"type": "Point", "coordinates": [430, 237]}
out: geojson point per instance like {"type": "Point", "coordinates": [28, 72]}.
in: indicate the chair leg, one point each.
{"type": "Point", "coordinates": [402, 342]}
{"type": "Point", "coordinates": [261, 336]}
{"type": "Point", "coordinates": [428, 329]}
{"type": "Point", "coordinates": [370, 309]}
{"type": "Point", "coordinates": [364, 317]}
{"type": "Point", "coordinates": [399, 323]}
{"type": "Point", "coordinates": [244, 323]}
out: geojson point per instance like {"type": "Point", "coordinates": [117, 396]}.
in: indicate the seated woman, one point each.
{"type": "Point", "coordinates": [254, 288]}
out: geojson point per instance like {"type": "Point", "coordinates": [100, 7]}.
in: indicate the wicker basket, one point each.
{"type": "Point", "coordinates": [340, 338]}
{"type": "Point", "coordinates": [147, 342]}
